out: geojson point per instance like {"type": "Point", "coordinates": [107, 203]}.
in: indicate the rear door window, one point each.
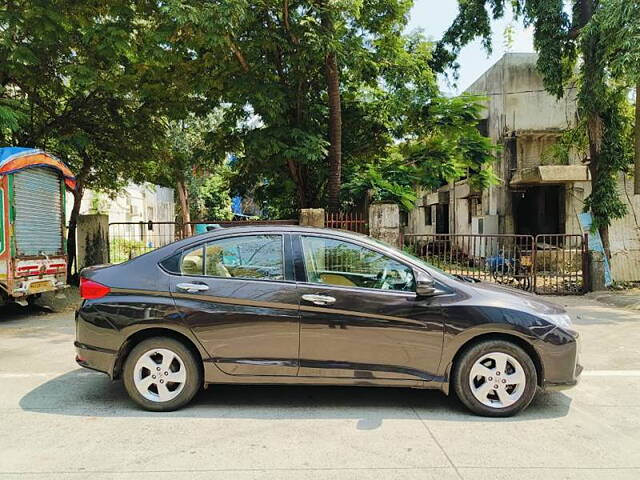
{"type": "Point", "coordinates": [249, 256]}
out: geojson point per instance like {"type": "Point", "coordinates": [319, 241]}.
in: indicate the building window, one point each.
{"type": "Point", "coordinates": [475, 208]}
{"type": "Point", "coordinates": [427, 216]}
{"type": "Point", "coordinates": [404, 218]}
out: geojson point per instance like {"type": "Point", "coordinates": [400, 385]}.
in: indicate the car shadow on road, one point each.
{"type": "Point", "coordinates": [88, 394]}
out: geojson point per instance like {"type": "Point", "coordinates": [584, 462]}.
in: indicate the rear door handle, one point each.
{"type": "Point", "coordinates": [319, 299]}
{"type": "Point", "coordinates": [192, 287]}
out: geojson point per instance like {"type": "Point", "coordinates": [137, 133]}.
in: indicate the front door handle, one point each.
{"type": "Point", "coordinates": [319, 299]}
{"type": "Point", "coordinates": [193, 287]}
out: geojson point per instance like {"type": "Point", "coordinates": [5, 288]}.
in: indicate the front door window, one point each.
{"type": "Point", "coordinates": [336, 262]}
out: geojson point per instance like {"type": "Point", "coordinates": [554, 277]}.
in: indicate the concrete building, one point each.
{"type": "Point", "coordinates": [536, 194]}
{"type": "Point", "coordinates": [134, 203]}
{"type": "Point", "coordinates": [129, 213]}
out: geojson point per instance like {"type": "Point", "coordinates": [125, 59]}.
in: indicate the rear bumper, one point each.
{"type": "Point", "coordinates": [95, 358]}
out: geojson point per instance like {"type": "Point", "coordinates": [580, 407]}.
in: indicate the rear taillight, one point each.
{"type": "Point", "coordinates": [90, 290]}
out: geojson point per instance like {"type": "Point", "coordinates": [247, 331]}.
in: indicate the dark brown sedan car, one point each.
{"type": "Point", "coordinates": [296, 305]}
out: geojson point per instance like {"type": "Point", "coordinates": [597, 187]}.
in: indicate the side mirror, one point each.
{"type": "Point", "coordinates": [425, 285]}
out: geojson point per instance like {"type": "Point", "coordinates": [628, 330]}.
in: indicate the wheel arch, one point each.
{"type": "Point", "coordinates": [141, 335]}
{"type": "Point", "coordinates": [505, 336]}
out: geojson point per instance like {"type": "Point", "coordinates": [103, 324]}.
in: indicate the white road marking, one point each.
{"type": "Point", "coordinates": [611, 373]}
{"type": "Point", "coordinates": [43, 374]}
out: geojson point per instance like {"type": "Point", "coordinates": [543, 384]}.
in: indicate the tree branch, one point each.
{"type": "Point", "coordinates": [238, 53]}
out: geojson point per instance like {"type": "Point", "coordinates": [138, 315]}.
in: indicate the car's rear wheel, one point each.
{"type": "Point", "coordinates": [161, 374]}
{"type": "Point", "coordinates": [495, 378]}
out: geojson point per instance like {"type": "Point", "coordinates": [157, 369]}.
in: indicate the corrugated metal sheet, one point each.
{"type": "Point", "coordinates": [38, 209]}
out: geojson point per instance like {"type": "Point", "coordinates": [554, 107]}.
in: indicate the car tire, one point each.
{"type": "Point", "coordinates": [495, 378]}
{"type": "Point", "coordinates": [161, 374]}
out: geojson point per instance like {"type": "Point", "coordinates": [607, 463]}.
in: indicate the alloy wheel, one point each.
{"type": "Point", "coordinates": [159, 375]}
{"type": "Point", "coordinates": [497, 380]}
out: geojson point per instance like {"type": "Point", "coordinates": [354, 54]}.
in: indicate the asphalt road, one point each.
{"type": "Point", "coordinates": [61, 422]}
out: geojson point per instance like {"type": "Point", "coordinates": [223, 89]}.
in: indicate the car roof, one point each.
{"type": "Point", "coordinates": [256, 229]}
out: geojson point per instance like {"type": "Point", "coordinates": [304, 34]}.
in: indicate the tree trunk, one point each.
{"type": "Point", "coordinates": [71, 233]}
{"type": "Point", "coordinates": [183, 196]}
{"type": "Point", "coordinates": [595, 132]}
{"type": "Point", "coordinates": [335, 124]}
{"type": "Point", "coordinates": [78, 193]}
{"type": "Point", "coordinates": [636, 175]}
{"type": "Point", "coordinates": [595, 124]}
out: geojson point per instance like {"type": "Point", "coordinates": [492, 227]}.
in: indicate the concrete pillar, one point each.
{"type": "Point", "coordinates": [596, 271]}
{"type": "Point", "coordinates": [92, 240]}
{"type": "Point", "coordinates": [384, 223]}
{"type": "Point", "coordinates": [312, 217]}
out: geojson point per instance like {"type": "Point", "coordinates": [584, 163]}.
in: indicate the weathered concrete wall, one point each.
{"type": "Point", "coordinates": [134, 203]}
{"type": "Point", "coordinates": [517, 99]}
{"type": "Point", "coordinates": [384, 223]}
{"type": "Point", "coordinates": [92, 241]}
{"type": "Point", "coordinates": [417, 216]}
{"type": "Point", "coordinates": [312, 217]}
{"type": "Point", "coordinates": [624, 236]}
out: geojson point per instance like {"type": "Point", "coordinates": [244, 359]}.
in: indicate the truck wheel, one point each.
{"type": "Point", "coordinates": [495, 378]}
{"type": "Point", "coordinates": [161, 374]}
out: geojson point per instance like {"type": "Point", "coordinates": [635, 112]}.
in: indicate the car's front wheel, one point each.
{"type": "Point", "coordinates": [495, 378]}
{"type": "Point", "coordinates": [161, 374]}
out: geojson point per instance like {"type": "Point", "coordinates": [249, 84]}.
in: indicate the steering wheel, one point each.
{"type": "Point", "coordinates": [383, 278]}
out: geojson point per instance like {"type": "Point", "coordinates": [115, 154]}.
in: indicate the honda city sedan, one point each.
{"type": "Point", "coordinates": [299, 305]}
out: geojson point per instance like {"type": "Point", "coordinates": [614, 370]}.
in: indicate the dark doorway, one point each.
{"type": "Point", "coordinates": [442, 218]}
{"type": "Point", "coordinates": [539, 210]}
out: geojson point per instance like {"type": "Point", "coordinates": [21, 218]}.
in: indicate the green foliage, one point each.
{"type": "Point", "coordinates": [573, 143]}
{"type": "Point", "coordinates": [446, 146]}
{"type": "Point", "coordinates": [604, 201]}
{"type": "Point", "coordinates": [210, 194]}
{"type": "Point", "coordinates": [73, 81]}
{"type": "Point", "coordinates": [125, 90]}
{"type": "Point", "coordinates": [619, 24]}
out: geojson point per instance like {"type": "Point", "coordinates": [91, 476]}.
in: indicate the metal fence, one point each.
{"type": "Point", "coordinates": [352, 221]}
{"type": "Point", "coordinates": [546, 264]}
{"type": "Point", "coordinates": [128, 240]}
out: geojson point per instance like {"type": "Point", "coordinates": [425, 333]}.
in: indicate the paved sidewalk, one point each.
{"type": "Point", "coordinates": [629, 299]}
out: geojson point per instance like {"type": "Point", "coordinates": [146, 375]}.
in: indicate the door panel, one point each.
{"type": "Point", "coordinates": [367, 322]}
{"type": "Point", "coordinates": [248, 326]}
{"type": "Point", "coordinates": [369, 335]}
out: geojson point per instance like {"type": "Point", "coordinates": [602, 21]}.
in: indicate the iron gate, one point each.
{"type": "Point", "coordinates": [552, 264]}
{"type": "Point", "coordinates": [352, 221]}
{"type": "Point", "coordinates": [128, 240]}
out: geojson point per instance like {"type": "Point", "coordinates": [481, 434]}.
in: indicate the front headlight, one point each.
{"type": "Point", "coordinates": [562, 320]}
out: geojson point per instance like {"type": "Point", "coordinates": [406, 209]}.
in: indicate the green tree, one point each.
{"type": "Point", "coordinates": [619, 22]}
{"type": "Point", "coordinates": [212, 195]}
{"type": "Point", "coordinates": [194, 163]}
{"type": "Point", "coordinates": [445, 146]}
{"type": "Point", "coordinates": [559, 38]}
{"type": "Point", "coordinates": [294, 70]}
{"type": "Point", "coordinates": [74, 80]}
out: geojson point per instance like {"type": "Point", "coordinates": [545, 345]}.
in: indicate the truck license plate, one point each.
{"type": "Point", "coordinates": [37, 287]}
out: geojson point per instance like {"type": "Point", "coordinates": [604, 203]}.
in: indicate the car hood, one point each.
{"type": "Point", "coordinates": [510, 297]}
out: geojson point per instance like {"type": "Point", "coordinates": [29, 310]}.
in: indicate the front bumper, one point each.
{"type": "Point", "coordinates": [561, 361]}
{"type": "Point", "coordinates": [95, 358]}
{"type": "Point", "coordinates": [559, 386]}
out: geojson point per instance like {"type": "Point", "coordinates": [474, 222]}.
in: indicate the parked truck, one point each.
{"type": "Point", "coordinates": [33, 256]}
